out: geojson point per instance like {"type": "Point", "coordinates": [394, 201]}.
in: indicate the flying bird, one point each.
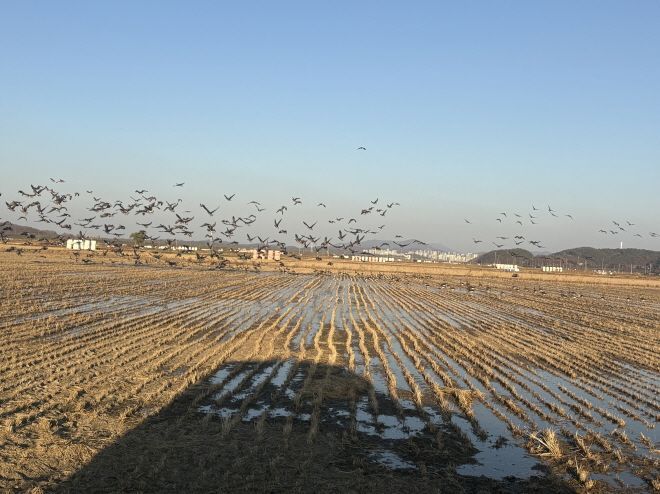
{"type": "Point", "coordinates": [209, 211]}
{"type": "Point", "coordinates": [361, 148]}
{"type": "Point", "coordinates": [229, 198]}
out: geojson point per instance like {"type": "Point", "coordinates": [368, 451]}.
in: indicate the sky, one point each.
{"type": "Point", "coordinates": [467, 110]}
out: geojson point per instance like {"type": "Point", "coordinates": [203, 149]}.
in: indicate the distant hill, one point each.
{"type": "Point", "coordinates": [12, 230]}
{"type": "Point", "coordinates": [577, 257]}
{"type": "Point", "coordinates": [504, 256]}
{"type": "Point", "coordinates": [611, 257]}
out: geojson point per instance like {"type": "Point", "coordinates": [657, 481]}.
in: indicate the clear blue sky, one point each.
{"type": "Point", "coordinates": [466, 108]}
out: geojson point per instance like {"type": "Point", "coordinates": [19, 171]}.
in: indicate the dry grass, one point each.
{"type": "Point", "coordinates": [91, 351]}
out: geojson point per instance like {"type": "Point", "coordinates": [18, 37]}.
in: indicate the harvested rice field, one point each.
{"type": "Point", "coordinates": [148, 379]}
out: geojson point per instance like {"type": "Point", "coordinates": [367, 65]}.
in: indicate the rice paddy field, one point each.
{"type": "Point", "coordinates": [153, 379]}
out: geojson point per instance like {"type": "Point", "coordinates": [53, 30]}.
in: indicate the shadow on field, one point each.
{"type": "Point", "coordinates": [309, 428]}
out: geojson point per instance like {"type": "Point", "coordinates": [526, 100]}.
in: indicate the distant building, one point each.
{"type": "Point", "coordinates": [79, 244]}
{"type": "Point", "coordinates": [553, 269]}
{"type": "Point", "coordinates": [427, 254]}
{"type": "Point", "coordinates": [511, 268]}
{"type": "Point", "coordinates": [371, 258]}
{"type": "Point", "coordinates": [269, 254]}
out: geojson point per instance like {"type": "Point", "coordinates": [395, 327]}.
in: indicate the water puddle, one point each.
{"type": "Point", "coordinates": [391, 460]}
{"type": "Point", "coordinates": [499, 456]}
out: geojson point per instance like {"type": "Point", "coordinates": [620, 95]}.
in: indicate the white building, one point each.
{"type": "Point", "coordinates": [78, 244]}
{"type": "Point", "coordinates": [269, 254]}
{"type": "Point", "coordinates": [553, 269]}
{"type": "Point", "coordinates": [365, 258]}
{"type": "Point", "coordinates": [512, 268]}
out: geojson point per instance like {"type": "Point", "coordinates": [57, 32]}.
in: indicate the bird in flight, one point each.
{"type": "Point", "coordinates": [361, 148]}
{"type": "Point", "coordinates": [179, 184]}
{"type": "Point", "coordinates": [320, 204]}
{"type": "Point", "coordinates": [476, 241]}
{"type": "Point", "coordinates": [467, 221]}
{"type": "Point", "coordinates": [57, 181]}
{"type": "Point", "coordinates": [210, 212]}
{"type": "Point", "coordinates": [311, 227]}
{"type": "Point", "coordinates": [229, 198]}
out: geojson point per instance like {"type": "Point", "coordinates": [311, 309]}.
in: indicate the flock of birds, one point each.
{"type": "Point", "coordinates": [47, 205]}
{"type": "Point", "coordinates": [110, 221]}
{"type": "Point", "coordinates": [534, 217]}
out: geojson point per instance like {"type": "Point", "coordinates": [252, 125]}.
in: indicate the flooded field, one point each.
{"type": "Point", "coordinates": [496, 384]}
